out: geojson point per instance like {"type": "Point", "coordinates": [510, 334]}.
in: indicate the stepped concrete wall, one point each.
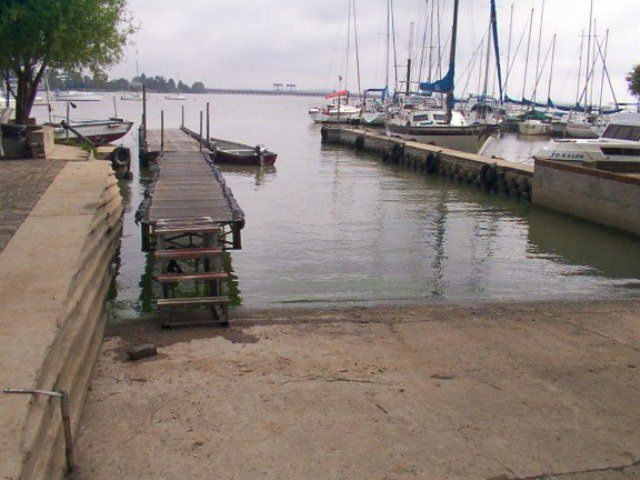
{"type": "Point", "coordinates": [55, 274]}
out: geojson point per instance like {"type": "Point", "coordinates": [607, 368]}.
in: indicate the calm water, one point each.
{"type": "Point", "coordinates": [328, 224]}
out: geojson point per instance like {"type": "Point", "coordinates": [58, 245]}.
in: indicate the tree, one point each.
{"type": "Point", "coordinates": [60, 34]}
{"type": "Point", "coordinates": [198, 87]}
{"type": "Point", "coordinates": [633, 78]}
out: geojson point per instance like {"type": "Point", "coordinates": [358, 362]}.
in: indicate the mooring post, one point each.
{"type": "Point", "coordinates": [182, 121]}
{"type": "Point", "coordinates": [162, 131]}
{"type": "Point", "coordinates": [144, 111]}
{"type": "Point", "coordinates": [208, 122]}
{"type": "Point", "coordinates": [200, 129]}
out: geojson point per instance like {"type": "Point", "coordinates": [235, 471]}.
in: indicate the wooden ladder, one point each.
{"type": "Point", "coordinates": [191, 254]}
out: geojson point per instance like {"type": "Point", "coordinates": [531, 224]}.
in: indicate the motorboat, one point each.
{"type": "Point", "coordinates": [97, 131]}
{"type": "Point", "coordinates": [74, 96]}
{"type": "Point", "coordinates": [224, 151]}
{"type": "Point", "coordinates": [131, 97]}
{"type": "Point", "coordinates": [585, 127]}
{"type": "Point", "coordinates": [620, 142]}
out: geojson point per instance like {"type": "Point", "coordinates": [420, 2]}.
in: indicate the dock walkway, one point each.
{"type": "Point", "coordinates": [189, 218]}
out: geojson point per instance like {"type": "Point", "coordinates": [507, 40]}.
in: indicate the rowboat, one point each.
{"type": "Point", "coordinates": [224, 151]}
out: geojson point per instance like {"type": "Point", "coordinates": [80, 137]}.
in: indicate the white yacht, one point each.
{"type": "Point", "coordinates": [620, 142]}
{"type": "Point", "coordinates": [73, 96]}
{"type": "Point", "coordinates": [337, 110]}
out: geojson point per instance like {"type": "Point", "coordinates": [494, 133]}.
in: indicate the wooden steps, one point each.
{"type": "Point", "coordinates": [191, 253]}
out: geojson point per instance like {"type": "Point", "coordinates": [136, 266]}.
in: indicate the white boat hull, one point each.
{"type": "Point", "coordinates": [469, 139]}
{"type": "Point", "coordinates": [324, 117]}
{"type": "Point", "coordinates": [374, 118]}
{"type": "Point", "coordinates": [583, 131]}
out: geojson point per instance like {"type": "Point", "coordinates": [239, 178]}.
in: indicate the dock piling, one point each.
{"type": "Point", "coordinates": [208, 121]}
{"type": "Point", "coordinates": [182, 116]}
{"type": "Point", "coordinates": [200, 139]}
{"type": "Point", "coordinates": [161, 131]}
{"type": "Point", "coordinates": [144, 111]}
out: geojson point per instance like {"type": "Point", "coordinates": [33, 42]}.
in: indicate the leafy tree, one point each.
{"type": "Point", "coordinates": [61, 34]}
{"type": "Point", "coordinates": [197, 87]}
{"type": "Point", "coordinates": [633, 78]}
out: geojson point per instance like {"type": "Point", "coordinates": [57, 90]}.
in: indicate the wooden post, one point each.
{"type": "Point", "coordinates": [182, 121]}
{"type": "Point", "coordinates": [200, 129]}
{"type": "Point", "coordinates": [208, 122]}
{"type": "Point", "coordinates": [144, 111]}
{"type": "Point", "coordinates": [162, 131]}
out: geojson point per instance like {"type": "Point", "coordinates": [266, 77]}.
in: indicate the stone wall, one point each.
{"type": "Point", "coordinates": [54, 278]}
{"type": "Point", "coordinates": [608, 198]}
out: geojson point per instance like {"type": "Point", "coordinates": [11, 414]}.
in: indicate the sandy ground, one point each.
{"type": "Point", "coordinates": [490, 391]}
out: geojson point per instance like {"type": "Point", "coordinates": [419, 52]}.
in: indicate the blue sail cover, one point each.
{"type": "Point", "coordinates": [383, 91]}
{"type": "Point", "coordinates": [444, 85]}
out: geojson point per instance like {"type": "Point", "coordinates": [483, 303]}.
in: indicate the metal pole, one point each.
{"type": "Point", "coordinates": [144, 111]}
{"type": "Point", "coordinates": [66, 418]}
{"type": "Point", "coordinates": [162, 130]}
{"type": "Point", "coordinates": [208, 121]}
{"type": "Point", "coordinates": [182, 117]}
{"type": "Point", "coordinates": [66, 424]}
{"type": "Point", "coordinates": [200, 129]}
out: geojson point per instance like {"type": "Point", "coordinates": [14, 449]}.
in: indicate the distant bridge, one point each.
{"type": "Point", "coordinates": [283, 92]}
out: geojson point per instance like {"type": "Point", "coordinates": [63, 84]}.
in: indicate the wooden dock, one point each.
{"type": "Point", "coordinates": [189, 217]}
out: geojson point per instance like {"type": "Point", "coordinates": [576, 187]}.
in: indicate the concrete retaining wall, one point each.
{"type": "Point", "coordinates": [54, 279]}
{"type": "Point", "coordinates": [492, 174]}
{"type": "Point", "coordinates": [608, 198]}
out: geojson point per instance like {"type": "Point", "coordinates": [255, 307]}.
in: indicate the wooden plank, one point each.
{"type": "Point", "coordinates": [181, 302]}
{"type": "Point", "coordinates": [188, 253]}
{"type": "Point", "coordinates": [199, 276]}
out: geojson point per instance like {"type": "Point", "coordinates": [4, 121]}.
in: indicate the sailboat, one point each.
{"type": "Point", "coordinates": [437, 123]}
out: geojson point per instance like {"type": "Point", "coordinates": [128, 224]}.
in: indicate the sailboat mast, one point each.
{"type": "Point", "coordinates": [535, 88]}
{"type": "Point", "coordinates": [586, 87]}
{"type": "Point", "coordinates": [452, 59]}
{"type": "Point", "coordinates": [487, 60]}
{"type": "Point", "coordinates": [395, 50]}
{"type": "Point", "coordinates": [408, 85]}
{"type": "Point", "coordinates": [388, 40]}
{"type": "Point", "coordinates": [580, 68]}
{"type": "Point", "coordinates": [526, 62]}
{"type": "Point", "coordinates": [509, 50]}
{"type": "Point", "coordinates": [424, 40]}
{"type": "Point", "coordinates": [553, 55]}
{"type": "Point", "coordinates": [595, 55]}
{"type": "Point", "coordinates": [431, 42]}
{"type": "Point", "coordinates": [604, 64]}
{"type": "Point", "coordinates": [346, 68]}
{"type": "Point", "coordinates": [439, 72]}
{"type": "Point", "coordinates": [355, 34]}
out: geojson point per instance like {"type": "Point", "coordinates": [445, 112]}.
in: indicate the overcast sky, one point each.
{"type": "Point", "coordinates": [255, 43]}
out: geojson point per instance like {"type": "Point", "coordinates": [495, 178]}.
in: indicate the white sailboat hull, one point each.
{"type": "Point", "coordinates": [533, 128]}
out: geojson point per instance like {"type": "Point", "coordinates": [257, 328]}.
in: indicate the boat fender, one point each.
{"type": "Point", "coordinates": [120, 157]}
{"type": "Point", "coordinates": [433, 162]}
{"type": "Point", "coordinates": [324, 134]}
{"type": "Point", "coordinates": [397, 152]}
{"type": "Point", "coordinates": [359, 143]}
{"type": "Point", "coordinates": [489, 175]}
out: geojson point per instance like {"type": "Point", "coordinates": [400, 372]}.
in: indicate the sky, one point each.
{"type": "Point", "coordinates": [255, 43]}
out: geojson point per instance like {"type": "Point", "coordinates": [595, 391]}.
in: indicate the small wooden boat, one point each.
{"type": "Point", "coordinates": [224, 151]}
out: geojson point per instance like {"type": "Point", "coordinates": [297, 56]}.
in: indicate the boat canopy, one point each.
{"type": "Point", "coordinates": [384, 91]}
{"type": "Point", "coordinates": [340, 93]}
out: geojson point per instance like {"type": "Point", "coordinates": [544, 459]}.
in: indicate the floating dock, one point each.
{"type": "Point", "coordinates": [189, 217]}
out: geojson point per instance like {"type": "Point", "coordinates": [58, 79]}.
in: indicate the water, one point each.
{"type": "Point", "coordinates": [331, 225]}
